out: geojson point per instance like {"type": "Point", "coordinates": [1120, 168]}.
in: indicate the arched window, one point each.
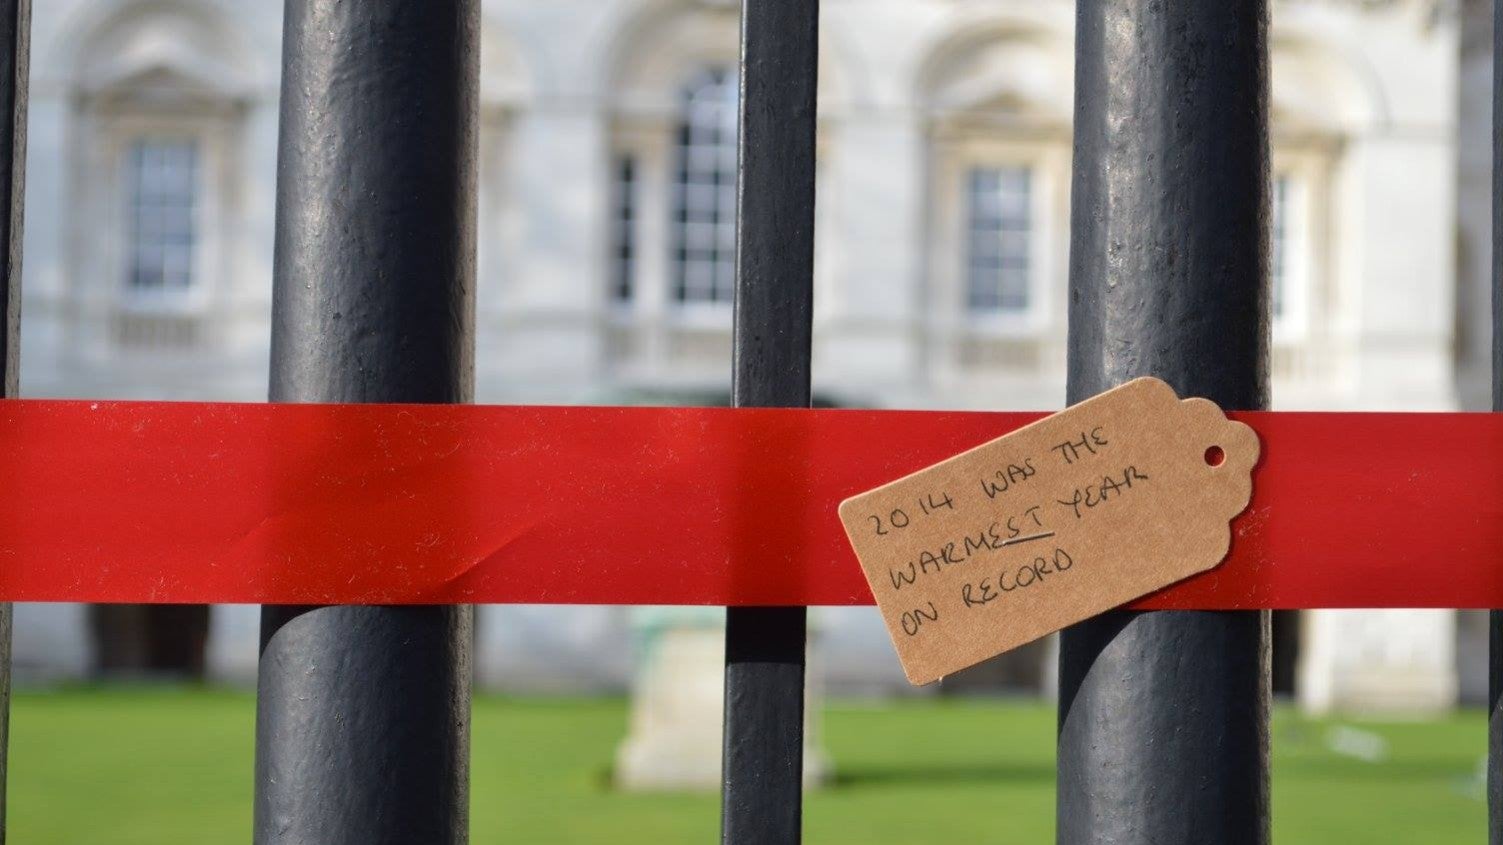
{"type": "Point", "coordinates": [1318, 109]}
{"type": "Point", "coordinates": [704, 189]}
{"type": "Point", "coordinates": [162, 92]}
{"type": "Point", "coordinates": [668, 251]}
{"type": "Point", "coordinates": [995, 102]}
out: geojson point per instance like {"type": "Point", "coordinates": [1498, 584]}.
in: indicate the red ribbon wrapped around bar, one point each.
{"type": "Point", "coordinates": [394, 504]}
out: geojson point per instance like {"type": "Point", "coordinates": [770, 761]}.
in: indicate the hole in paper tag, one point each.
{"type": "Point", "coordinates": [1102, 503]}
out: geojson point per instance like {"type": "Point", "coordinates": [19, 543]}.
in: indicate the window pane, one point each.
{"type": "Point", "coordinates": [704, 191]}
{"type": "Point", "coordinates": [162, 181]}
{"type": "Point", "coordinates": [999, 229]}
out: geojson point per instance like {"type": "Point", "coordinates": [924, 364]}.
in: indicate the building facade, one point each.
{"type": "Point", "coordinates": [606, 220]}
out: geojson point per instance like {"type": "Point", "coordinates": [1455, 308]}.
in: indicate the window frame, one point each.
{"type": "Point", "coordinates": [998, 231]}
{"type": "Point", "coordinates": [102, 189]}
{"type": "Point", "coordinates": [956, 154]}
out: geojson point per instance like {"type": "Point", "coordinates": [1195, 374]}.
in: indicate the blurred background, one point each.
{"type": "Point", "coordinates": [606, 263]}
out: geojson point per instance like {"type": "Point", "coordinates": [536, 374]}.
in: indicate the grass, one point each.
{"type": "Point", "coordinates": [121, 766]}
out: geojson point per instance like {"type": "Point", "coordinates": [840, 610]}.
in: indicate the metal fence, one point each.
{"type": "Point", "coordinates": [1163, 716]}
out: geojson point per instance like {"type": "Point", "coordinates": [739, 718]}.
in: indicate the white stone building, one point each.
{"type": "Point", "coordinates": [606, 224]}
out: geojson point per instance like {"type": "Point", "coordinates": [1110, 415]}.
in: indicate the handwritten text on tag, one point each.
{"type": "Point", "coordinates": [1080, 512]}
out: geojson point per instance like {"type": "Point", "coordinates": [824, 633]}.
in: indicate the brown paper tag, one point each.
{"type": "Point", "coordinates": [1099, 504]}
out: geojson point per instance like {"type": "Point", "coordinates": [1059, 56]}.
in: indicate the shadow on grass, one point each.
{"type": "Point", "coordinates": [941, 775]}
{"type": "Point", "coordinates": [860, 777]}
{"type": "Point", "coordinates": [1384, 771]}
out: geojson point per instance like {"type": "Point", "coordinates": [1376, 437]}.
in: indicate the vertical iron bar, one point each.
{"type": "Point", "coordinates": [1495, 617]}
{"type": "Point", "coordinates": [762, 779]}
{"type": "Point", "coordinates": [1163, 717]}
{"type": "Point", "coordinates": [362, 714]}
{"type": "Point", "coordinates": [15, 42]}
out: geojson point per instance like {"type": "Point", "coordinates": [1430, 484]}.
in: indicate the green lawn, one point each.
{"type": "Point", "coordinates": [167, 766]}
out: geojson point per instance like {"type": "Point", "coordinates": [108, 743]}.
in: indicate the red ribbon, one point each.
{"type": "Point", "coordinates": [378, 504]}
